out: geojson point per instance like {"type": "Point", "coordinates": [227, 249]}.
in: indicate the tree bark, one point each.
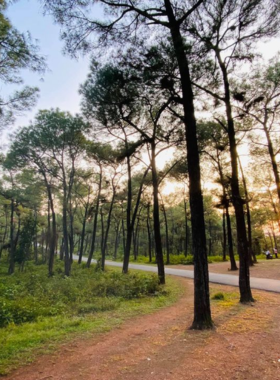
{"type": "Point", "coordinates": [12, 249]}
{"type": "Point", "coordinates": [6, 229]}
{"type": "Point", "coordinates": [224, 235]}
{"type": "Point", "coordinates": [117, 237]}
{"type": "Point", "coordinates": [186, 228]}
{"type": "Point", "coordinates": [242, 244]}
{"type": "Point", "coordinates": [53, 234]}
{"type": "Point", "coordinates": [272, 156]}
{"type": "Point", "coordinates": [158, 242]}
{"type": "Point", "coordinates": [202, 312]}
{"type": "Point", "coordinates": [103, 253]}
{"type": "Point", "coordinates": [149, 233]}
{"type": "Point", "coordinates": [95, 220]}
{"type": "Point", "coordinates": [67, 261]}
{"type": "Point", "coordinates": [83, 235]}
{"type": "Point", "coordinates": [166, 234]}
{"type": "Point", "coordinates": [252, 256]}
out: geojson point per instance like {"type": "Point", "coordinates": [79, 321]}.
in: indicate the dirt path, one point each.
{"type": "Point", "coordinates": [244, 345]}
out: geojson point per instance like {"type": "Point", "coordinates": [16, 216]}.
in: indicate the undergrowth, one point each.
{"type": "Point", "coordinates": [38, 312]}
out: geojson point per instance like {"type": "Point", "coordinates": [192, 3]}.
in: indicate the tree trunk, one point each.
{"type": "Point", "coordinates": [102, 229]}
{"type": "Point", "coordinates": [242, 244]}
{"type": "Point", "coordinates": [36, 239]}
{"type": "Point", "coordinates": [53, 234]}
{"type": "Point", "coordinates": [149, 233]}
{"type": "Point", "coordinates": [95, 220]}
{"type": "Point", "coordinates": [252, 256]}
{"type": "Point", "coordinates": [71, 233]}
{"type": "Point", "coordinates": [158, 242]}
{"type": "Point", "coordinates": [202, 312]}
{"type": "Point", "coordinates": [224, 236]}
{"type": "Point", "coordinates": [67, 261]}
{"type": "Point", "coordinates": [272, 157]}
{"type": "Point", "coordinates": [83, 235]}
{"type": "Point", "coordinates": [5, 231]}
{"type": "Point", "coordinates": [130, 222]}
{"type": "Point", "coordinates": [166, 234]}
{"type": "Point", "coordinates": [233, 265]}
{"type": "Point", "coordinates": [186, 228]}
{"type": "Point", "coordinates": [117, 237]}
{"type": "Point", "coordinates": [12, 248]}
{"type": "Point", "coordinates": [129, 226]}
{"type": "Point", "coordinates": [107, 231]}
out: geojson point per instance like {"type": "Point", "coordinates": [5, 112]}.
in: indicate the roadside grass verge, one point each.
{"type": "Point", "coordinates": [180, 259]}
{"type": "Point", "coordinates": [39, 313]}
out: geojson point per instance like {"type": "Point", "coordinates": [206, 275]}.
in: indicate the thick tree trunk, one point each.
{"type": "Point", "coordinates": [202, 312]}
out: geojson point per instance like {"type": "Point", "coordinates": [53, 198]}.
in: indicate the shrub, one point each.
{"type": "Point", "coordinates": [27, 296]}
{"type": "Point", "coordinates": [218, 296]}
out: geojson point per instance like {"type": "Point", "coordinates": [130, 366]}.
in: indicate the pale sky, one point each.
{"type": "Point", "coordinates": [60, 84]}
{"type": "Point", "coordinates": [59, 87]}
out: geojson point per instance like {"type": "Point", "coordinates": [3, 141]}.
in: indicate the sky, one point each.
{"type": "Point", "coordinates": [60, 84]}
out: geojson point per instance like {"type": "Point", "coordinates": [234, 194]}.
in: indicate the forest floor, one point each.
{"type": "Point", "coordinates": [243, 345]}
{"type": "Point", "coordinates": [263, 269]}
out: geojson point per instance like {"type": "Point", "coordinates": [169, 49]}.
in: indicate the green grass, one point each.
{"type": "Point", "coordinates": [62, 308]}
{"type": "Point", "coordinates": [225, 299]}
{"type": "Point", "coordinates": [177, 259]}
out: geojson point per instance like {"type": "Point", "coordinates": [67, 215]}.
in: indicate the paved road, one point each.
{"type": "Point", "coordinates": [223, 279]}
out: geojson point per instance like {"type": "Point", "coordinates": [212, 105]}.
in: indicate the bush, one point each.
{"type": "Point", "coordinates": [179, 259]}
{"type": "Point", "coordinates": [27, 296]}
{"type": "Point", "coordinates": [10, 312]}
{"type": "Point", "coordinates": [218, 296]}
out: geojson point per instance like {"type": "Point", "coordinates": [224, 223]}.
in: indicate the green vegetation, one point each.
{"type": "Point", "coordinates": [226, 299]}
{"type": "Point", "coordinates": [180, 259]}
{"type": "Point", "coordinates": [39, 312]}
{"type": "Point", "coordinates": [218, 296]}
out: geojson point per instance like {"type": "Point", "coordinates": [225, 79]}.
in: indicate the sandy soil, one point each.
{"type": "Point", "coordinates": [263, 269]}
{"type": "Point", "coordinates": [244, 345]}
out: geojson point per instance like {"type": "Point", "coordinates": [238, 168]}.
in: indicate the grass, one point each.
{"type": "Point", "coordinates": [62, 308]}
{"type": "Point", "coordinates": [226, 299]}
{"type": "Point", "coordinates": [180, 259]}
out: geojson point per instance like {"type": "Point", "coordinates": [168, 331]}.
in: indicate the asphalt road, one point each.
{"type": "Point", "coordinates": [216, 278]}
